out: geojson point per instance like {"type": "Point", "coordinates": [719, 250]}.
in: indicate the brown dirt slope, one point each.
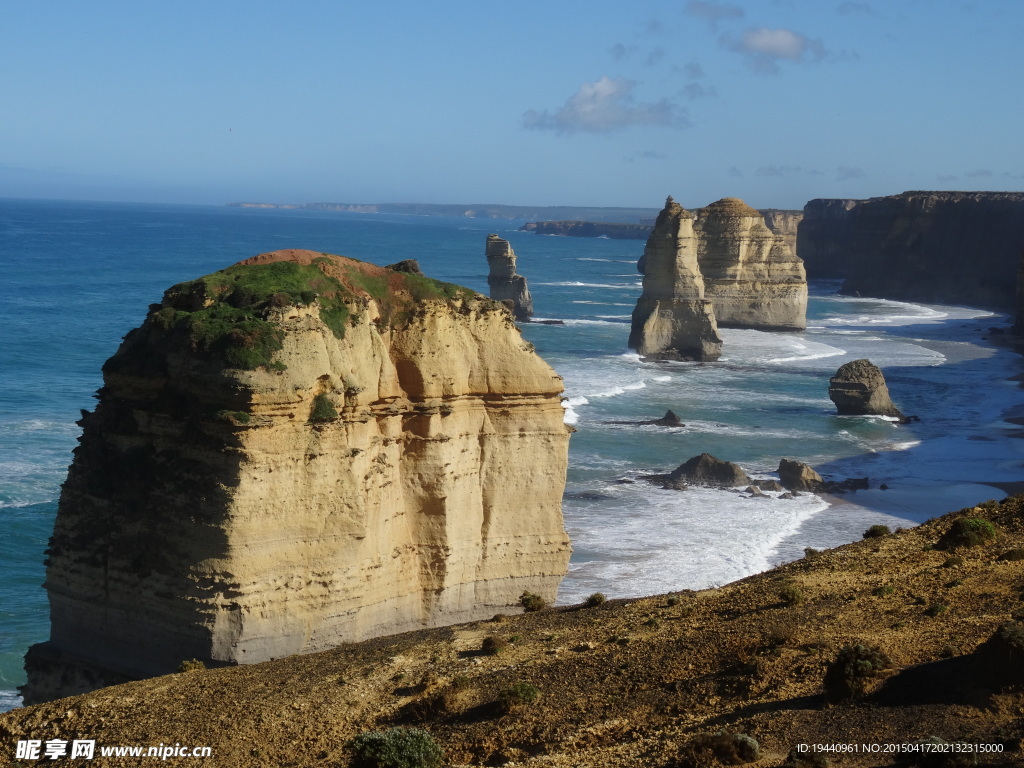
{"type": "Point", "coordinates": [631, 682]}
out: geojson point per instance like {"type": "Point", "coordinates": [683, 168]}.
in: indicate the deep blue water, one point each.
{"type": "Point", "coordinates": [75, 277]}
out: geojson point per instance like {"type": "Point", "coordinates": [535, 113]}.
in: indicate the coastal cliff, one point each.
{"type": "Point", "coordinates": [298, 451]}
{"type": "Point", "coordinates": [751, 275]}
{"type": "Point", "coordinates": [502, 280]}
{"type": "Point", "coordinates": [946, 247]}
{"type": "Point", "coordinates": [785, 223]}
{"type": "Point", "coordinates": [672, 318]}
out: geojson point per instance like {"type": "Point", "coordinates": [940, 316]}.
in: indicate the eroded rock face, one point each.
{"type": "Point", "coordinates": [944, 247]}
{"type": "Point", "coordinates": [672, 318]}
{"type": "Point", "coordinates": [319, 451]}
{"type": "Point", "coordinates": [858, 389]}
{"type": "Point", "coordinates": [751, 275]}
{"type": "Point", "coordinates": [504, 283]}
{"type": "Point", "coordinates": [785, 223]}
{"type": "Point", "coordinates": [797, 476]}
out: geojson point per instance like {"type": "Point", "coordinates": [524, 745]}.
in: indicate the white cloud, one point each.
{"type": "Point", "coordinates": [764, 48]}
{"type": "Point", "coordinates": [844, 172]}
{"type": "Point", "coordinates": [604, 106]}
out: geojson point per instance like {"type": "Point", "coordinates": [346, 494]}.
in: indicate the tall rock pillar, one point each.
{"type": "Point", "coordinates": [502, 279]}
{"type": "Point", "coordinates": [751, 275]}
{"type": "Point", "coordinates": [672, 319]}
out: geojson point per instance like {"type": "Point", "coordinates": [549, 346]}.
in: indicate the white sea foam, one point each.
{"type": "Point", "coordinates": [570, 416]}
{"type": "Point", "coordinates": [603, 303]}
{"type": "Point", "coordinates": [621, 390]}
{"type": "Point", "coordinates": [9, 700]}
{"type": "Point", "coordinates": [578, 284]}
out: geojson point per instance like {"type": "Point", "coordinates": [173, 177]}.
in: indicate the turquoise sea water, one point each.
{"type": "Point", "coordinates": [75, 277]}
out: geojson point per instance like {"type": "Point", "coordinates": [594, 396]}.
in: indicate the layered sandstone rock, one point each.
{"type": "Point", "coordinates": [945, 247]}
{"type": "Point", "coordinates": [858, 389]}
{"type": "Point", "coordinates": [751, 275]}
{"type": "Point", "coordinates": [295, 452]}
{"type": "Point", "coordinates": [504, 283]}
{"type": "Point", "coordinates": [672, 318]}
{"type": "Point", "coordinates": [785, 223]}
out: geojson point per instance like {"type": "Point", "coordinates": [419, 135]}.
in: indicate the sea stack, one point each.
{"type": "Point", "coordinates": [503, 281]}
{"type": "Point", "coordinates": [672, 319]}
{"type": "Point", "coordinates": [751, 275]}
{"type": "Point", "coordinates": [858, 389]}
{"type": "Point", "coordinates": [295, 452]}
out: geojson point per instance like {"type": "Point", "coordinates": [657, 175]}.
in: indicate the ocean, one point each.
{"type": "Point", "coordinates": [75, 277]}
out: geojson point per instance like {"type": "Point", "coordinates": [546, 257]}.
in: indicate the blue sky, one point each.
{"type": "Point", "coordinates": [534, 103]}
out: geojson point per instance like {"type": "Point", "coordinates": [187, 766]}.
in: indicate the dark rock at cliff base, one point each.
{"type": "Point", "coordinates": [797, 476]}
{"type": "Point", "coordinates": [858, 389]}
{"type": "Point", "coordinates": [707, 470]}
{"type": "Point", "coordinates": [408, 266]}
{"type": "Point", "coordinates": [768, 485]}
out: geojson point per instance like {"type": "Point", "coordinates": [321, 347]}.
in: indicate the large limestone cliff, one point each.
{"type": "Point", "coordinates": [672, 319]}
{"type": "Point", "coordinates": [298, 451]}
{"type": "Point", "coordinates": [785, 223]}
{"type": "Point", "coordinates": [751, 275]}
{"type": "Point", "coordinates": [946, 247]}
{"type": "Point", "coordinates": [504, 283]}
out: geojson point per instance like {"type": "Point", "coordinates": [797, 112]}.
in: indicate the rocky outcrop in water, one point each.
{"type": "Point", "coordinates": [751, 276]}
{"type": "Point", "coordinates": [945, 247]}
{"type": "Point", "coordinates": [705, 470]}
{"type": "Point", "coordinates": [295, 452]}
{"type": "Point", "coordinates": [859, 389]}
{"type": "Point", "coordinates": [504, 283]}
{"type": "Point", "coordinates": [672, 318]}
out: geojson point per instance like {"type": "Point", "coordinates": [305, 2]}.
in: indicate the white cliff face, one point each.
{"type": "Point", "coordinates": [672, 318]}
{"type": "Point", "coordinates": [502, 280]}
{"type": "Point", "coordinates": [750, 273]}
{"type": "Point", "coordinates": [353, 487]}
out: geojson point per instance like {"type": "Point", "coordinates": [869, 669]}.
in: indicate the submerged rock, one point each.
{"type": "Point", "coordinates": [709, 471]}
{"type": "Point", "coordinates": [504, 283]}
{"type": "Point", "coordinates": [295, 452]}
{"type": "Point", "coordinates": [858, 389]}
{"type": "Point", "coordinates": [672, 319]}
{"type": "Point", "coordinates": [668, 420]}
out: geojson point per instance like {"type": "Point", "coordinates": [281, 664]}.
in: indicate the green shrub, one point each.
{"type": "Point", "coordinates": [953, 561]}
{"type": "Point", "coordinates": [492, 645]}
{"type": "Point", "coordinates": [595, 600]}
{"type": "Point", "coordinates": [396, 748]}
{"type": "Point", "coordinates": [935, 609]}
{"type": "Point", "coordinates": [323, 410]}
{"type": "Point", "coordinates": [191, 665]}
{"type": "Point", "coordinates": [791, 594]}
{"type": "Point", "coordinates": [853, 669]}
{"type": "Point", "coordinates": [968, 532]}
{"type": "Point", "coordinates": [810, 553]}
{"type": "Point", "coordinates": [517, 696]}
{"type": "Point", "coordinates": [532, 602]}
{"type": "Point", "coordinates": [883, 591]}
{"type": "Point", "coordinates": [877, 532]}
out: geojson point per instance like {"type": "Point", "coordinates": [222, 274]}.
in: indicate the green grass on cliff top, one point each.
{"type": "Point", "coordinates": [235, 329]}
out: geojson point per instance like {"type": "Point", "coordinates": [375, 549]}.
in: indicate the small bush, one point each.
{"type": "Point", "coordinates": [396, 748]}
{"type": "Point", "coordinates": [883, 591]}
{"type": "Point", "coordinates": [791, 594]}
{"type": "Point", "coordinates": [1013, 555]}
{"type": "Point", "coordinates": [493, 645]}
{"type": "Point", "coordinates": [672, 601]}
{"type": "Point", "coordinates": [725, 747]}
{"type": "Point", "coordinates": [877, 532]}
{"type": "Point", "coordinates": [517, 696]}
{"type": "Point", "coordinates": [191, 665]}
{"type": "Point", "coordinates": [323, 410]}
{"type": "Point", "coordinates": [968, 532]}
{"type": "Point", "coordinates": [953, 561]}
{"type": "Point", "coordinates": [810, 553]}
{"type": "Point", "coordinates": [935, 609]}
{"type": "Point", "coordinates": [595, 600]}
{"type": "Point", "coordinates": [532, 602]}
{"type": "Point", "coordinates": [849, 675]}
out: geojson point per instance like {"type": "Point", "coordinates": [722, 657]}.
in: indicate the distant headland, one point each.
{"type": "Point", "coordinates": [475, 210]}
